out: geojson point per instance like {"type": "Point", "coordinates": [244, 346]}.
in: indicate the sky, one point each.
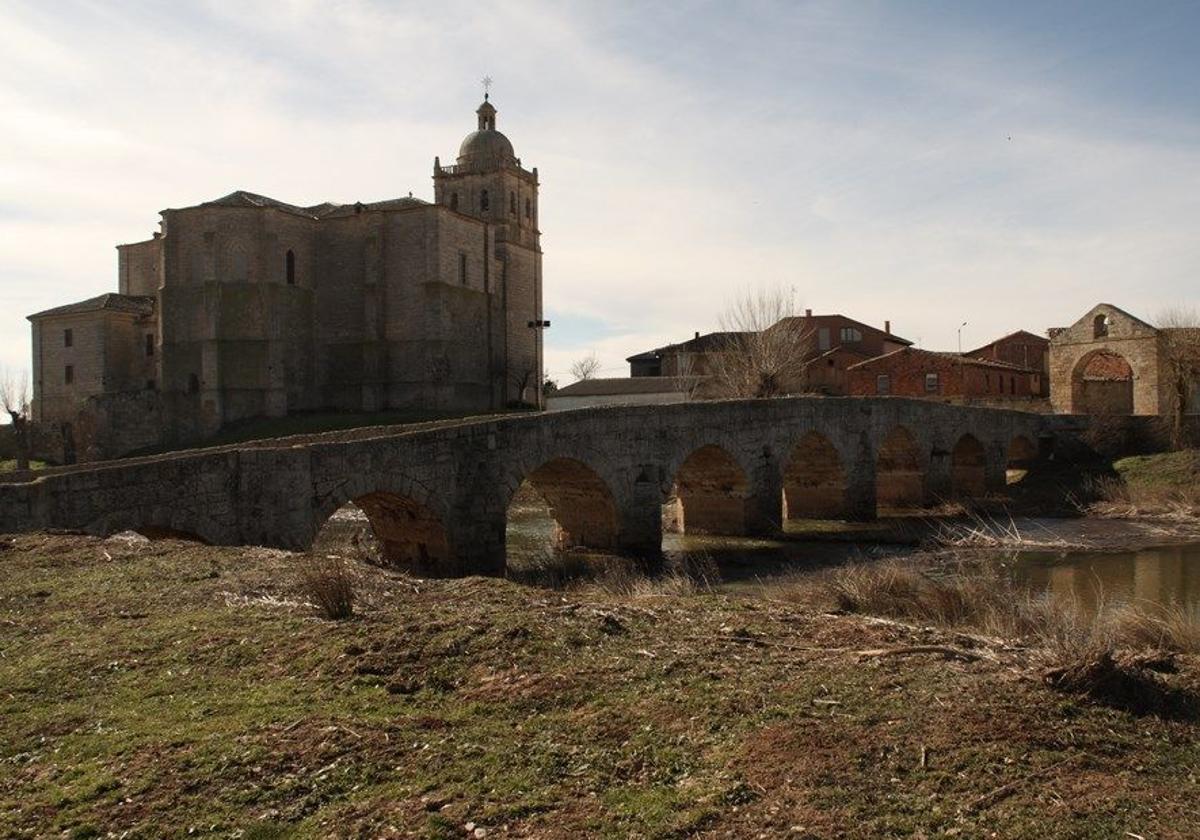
{"type": "Point", "coordinates": [1004, 164]}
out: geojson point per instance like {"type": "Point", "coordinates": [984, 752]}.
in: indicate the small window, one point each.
{"type": "Point", "coordinates": [850, 335]}
{"type": "Point", "coordinates": [68, 338]}
{"type": "Point", "coordinates": [987, 382]}
{"type": "Point", "coordinates": [931, 383]}
{"type": "Point", "coordinates": [69, 374]}
{"type": "Point", "coordinates": [193, 384]}
{"type": "Point", "coordinates": [528, 214]}
{"type": "Point", "coordinates": [1012, 384]}
{"type": "Point", "coordinates": [454, 201]}
{"type": "Point", "coordinates": [883, 384]}
{"type": "Point", "coordinates": [151, 385]}
{"type": "Point", "coordinates": [483, 200]}
{"type": "Point", "coordinates": [462, 268]}
{"type": "Point", "coordinates": [823, 339]}
{"type": "Point", "coordinates": [149, 345]}
{"type": "Point", "coordinates": [512, 203]}
{"type": "Point", "coordinates": [1100, 326]}
{"type": "Point", "coordinates": [290, 267]}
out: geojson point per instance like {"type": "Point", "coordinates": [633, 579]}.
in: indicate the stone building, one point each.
{"type": "Point", "coordinates": [911, 372]}
{"type": "Point", "coordinates": [246, 306]}
{"type": "Point", "coordinates": [1111, 362]}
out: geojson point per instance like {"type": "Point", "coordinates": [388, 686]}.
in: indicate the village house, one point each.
{"type": "Point", "coordinates": [246, 306]}
{"type": "Point", "coordinates": [912, 372]}
{"type": "Point", "coordinates": [1023, 349]}
{"type": "Point", "coordinates": [833, 342]}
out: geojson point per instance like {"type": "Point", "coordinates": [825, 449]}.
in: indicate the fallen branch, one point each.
{"type": "Point", "coordinates": [944, 650]}
{"type": "Point", "coordinates": [1004, 790]}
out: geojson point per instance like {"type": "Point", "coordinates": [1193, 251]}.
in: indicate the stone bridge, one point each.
{"type": "Point", "coordinates": [438, 497]}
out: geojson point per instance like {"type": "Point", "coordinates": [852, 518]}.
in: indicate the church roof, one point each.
{"type": "Point", "coordinates": [324, 210]}
{"type": "Point", "coordinates": [112, 302]}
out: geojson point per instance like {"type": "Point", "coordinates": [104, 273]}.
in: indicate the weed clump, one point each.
{"type": "Point", "coordinates": [326, 581]}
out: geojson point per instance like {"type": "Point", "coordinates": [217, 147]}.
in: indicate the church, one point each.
{"type": "Point", "coordinates": [248, 307]}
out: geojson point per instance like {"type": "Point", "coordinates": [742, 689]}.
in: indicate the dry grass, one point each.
{"type": "Point", "coordinates": [621, 576]}
{"type": "Point", "coordinates": [987, 531]}
{"type": "Point", "coordinates": [326, 581]}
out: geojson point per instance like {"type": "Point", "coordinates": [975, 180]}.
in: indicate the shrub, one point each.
{"type": "Point", "coordinates": [326, 581]}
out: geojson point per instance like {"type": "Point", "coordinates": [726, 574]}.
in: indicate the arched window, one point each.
{"type": "Point", "coordinates": [1100, 326]}
{"type": "Point", "coordinates": [483, 200]}
{"type": "Point", "coordinates": [453, 201]}
{"type": "Point", "coordinates": [512, 203]}
{"type": "Point", "coordinates": [290, 267]}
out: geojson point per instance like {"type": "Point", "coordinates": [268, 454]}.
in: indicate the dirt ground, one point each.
{"type": "Point", "coordinates": [152, 689]}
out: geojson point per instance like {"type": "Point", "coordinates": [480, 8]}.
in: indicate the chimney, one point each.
{"type": "Point", "coordinates": [697, 333]}
{"type": "Point", "coordinates": [887, 327]}
{"type": "Point", "coordinates": [807, 313]}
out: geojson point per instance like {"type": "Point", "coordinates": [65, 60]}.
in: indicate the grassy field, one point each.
{"type": "Point", "coordinates": [9, 466]}
{"type": "Point", "coordinates": [172, 689]}
{"type": "Point", "coordinates": [1167, 482]}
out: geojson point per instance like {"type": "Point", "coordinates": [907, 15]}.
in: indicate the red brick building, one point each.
{"type": "Point", "coordinates": [834, 343]}
{"type": "Point", "coordinates": [911, 372]}
{"type": "Point", "coordinates": [1023, 349]}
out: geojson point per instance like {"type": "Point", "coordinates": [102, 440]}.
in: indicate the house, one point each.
{"type": "Point", "coordinates": [1111, 362]}
{"type": "Point", "coordinates": [1023, 349]}
{"type": "Point", "coordinates": [834, 343]}
{"type": "Point", "coordinates": [911, 372]}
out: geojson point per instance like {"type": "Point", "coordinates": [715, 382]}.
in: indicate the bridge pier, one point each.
{"type": "Point", "coordinates": [764, 506]}
{"type": "Point", "coordinates": [861, 505]}
{"type": "Point", "coordinates": [995, 475]}
{"type": "Point", "coordinates": [939, 474]}
{"type": "Point", "coordinates": [640, 516]}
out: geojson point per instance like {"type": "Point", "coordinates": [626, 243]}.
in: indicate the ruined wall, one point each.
{"type": "Point", "coordinates": [1133, 340]}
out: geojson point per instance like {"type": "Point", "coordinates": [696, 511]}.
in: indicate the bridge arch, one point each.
{"type": "Point", "coordinates": [968, 468]}
{"type": "Point", "coordinates": [406, 519]}
{"type": "Point", "coordinates": [579, 500]}
{"type": "Point", "coordinates": [160, 523]}
{"type": "Point", "coordinates": [1019, 459]}
{"type": "Point", "coordinates": [814, 480]}
{"type": "Point", "coordinates": [899, 470]}
{"type": "Point", "coordinates": [709, 494]}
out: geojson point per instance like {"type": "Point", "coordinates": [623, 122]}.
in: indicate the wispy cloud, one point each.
{"type": "Point", "coordinates": [859, 154]}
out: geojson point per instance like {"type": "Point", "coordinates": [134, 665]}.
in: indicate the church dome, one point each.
{"type": "Point", "coordinates": [486, 146]}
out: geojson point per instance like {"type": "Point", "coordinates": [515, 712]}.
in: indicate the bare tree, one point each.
{"type": "Point", "coordinates": [766, 347]}
{"type": "Point", "coordinates": [14, 399]}
{"type": "Point", "coordinates": [585, 368]}
{"type": "Point", "coordinates": [1179, 328]}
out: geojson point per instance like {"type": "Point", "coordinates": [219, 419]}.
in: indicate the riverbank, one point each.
{"type": "Point", "coordinates": [166, 688]}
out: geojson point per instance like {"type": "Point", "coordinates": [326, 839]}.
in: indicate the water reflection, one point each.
{"type": "Point", "coordinates": [1167, 574]}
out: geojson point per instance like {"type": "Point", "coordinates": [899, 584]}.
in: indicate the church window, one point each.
{"type": "Point", "coordinates": [149, 345]}
{"type": "Point", "coordinates": [193, 384]}
{"type": "Point", "coordinates": [462, 268]}
{"type": "Point", "coordinates": [527, 211]}
{"type": "Point", "coordinates": [883, 384]}
{"type": "Point", "coordinates": [68, 374]}
{"type": "Point", "coordinates": [454, 201]}
{"type": "Point", "coordinates": [1100, 326]}
{"type": "Point", "coordinates": [68, 338]}
{"type": "Point", "coordinates": [512, 203]}
{"type": "Point", "coordinates": [290, 267]}
{"type": "Point", "coordinates": [483, 200]}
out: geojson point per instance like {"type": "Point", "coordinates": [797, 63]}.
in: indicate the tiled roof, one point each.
{"type": "Point", "coordinates": [325, 210]}
{"type": "Point", "coordinates": [113, 302]}
{"type": "Point", "coordinates": [627, 385]}
{"type": "Point", "coordinates": [699, 344]}
{"type": "Point", "coordinates": [966, 360]}
{"type": "Point", "coordinates": [1025, 334]}
{"type": "Point", "coordinates": [842, 320]}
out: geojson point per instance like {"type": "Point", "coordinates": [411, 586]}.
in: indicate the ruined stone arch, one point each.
{"type": "Point", "coordinates": [1102, 383]}
{"type": "Point", "coordinates": [899, 470]}
{"type": "Point", "coordinates": [709, 493]}
{"type": "Point", "coordinates": [407, 519]}
{"type": "Point", "coordinates": [814, 479]}
{"type": "Point", "coordinates": [581, 501]}
{"type": "Point", "coordinates": [968, 468]}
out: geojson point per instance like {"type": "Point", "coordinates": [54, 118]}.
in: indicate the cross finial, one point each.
{"type": "Point", "coordinates": [487, 86]}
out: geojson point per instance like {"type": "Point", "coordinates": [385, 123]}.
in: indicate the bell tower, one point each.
{"type": "Point", "coordinates": [489, 183]}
